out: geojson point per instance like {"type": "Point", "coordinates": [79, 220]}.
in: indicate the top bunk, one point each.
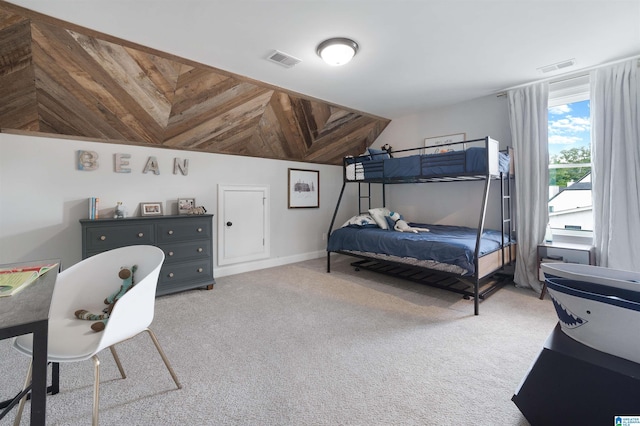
{"type": "Point", "coordinates": [476, 159]}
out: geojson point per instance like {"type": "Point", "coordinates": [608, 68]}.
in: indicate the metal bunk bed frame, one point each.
{"type": "Point", "coordinates": [435, 278]}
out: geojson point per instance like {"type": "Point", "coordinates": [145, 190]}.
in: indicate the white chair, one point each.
{"type": "Point", "coordinates": [84, 286]}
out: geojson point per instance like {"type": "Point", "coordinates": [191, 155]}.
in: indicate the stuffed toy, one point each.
{"type": "Point", "coordinates": [388, 148]}
{"type": "Point", "coordinates": [126, 275]}
{"type": "Point", "coordinates": [402, 226]}
{"type": "Point", "coordinates": [197, 210]}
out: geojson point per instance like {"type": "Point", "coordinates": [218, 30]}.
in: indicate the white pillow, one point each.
{"type": "Point", "coordinates": [360, 220]}
{"type": "Point", "coordinates": [378, 216]}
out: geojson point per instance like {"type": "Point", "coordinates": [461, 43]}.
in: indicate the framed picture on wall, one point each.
{"type": "Point", "coordinates": [151, 209]}
{"type": "Point", "coordinates": [438, 144]}
{"type": "Point", "coordinates": [185, 204]}
{"type": "Point", "coordinates": [304, 189]}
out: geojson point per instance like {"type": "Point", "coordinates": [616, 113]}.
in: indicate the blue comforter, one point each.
{"type": "Point", "coordinates": [454, 245]}
{"type": "Point", "coordinates": [471, 161]}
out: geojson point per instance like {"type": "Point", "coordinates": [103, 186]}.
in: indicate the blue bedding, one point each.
{"type": "Point", "coordinates": [454, 245]}
{"type": "Point", "coordinates": [470, 161]}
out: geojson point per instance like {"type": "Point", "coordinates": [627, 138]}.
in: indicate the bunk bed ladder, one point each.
{"type": "Point", "coordinates": [506, 215]}
{"type": "Point", "coordinates": [362, 196]}
{"type": "Point", "coordinates": [366, 197]}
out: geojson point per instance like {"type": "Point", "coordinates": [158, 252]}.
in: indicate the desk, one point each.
{"type": "Point", "coordinates": [28, 312]}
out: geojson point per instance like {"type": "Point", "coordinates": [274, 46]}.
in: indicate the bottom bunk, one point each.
{"type": "Point", "coordinates": [446, 257]}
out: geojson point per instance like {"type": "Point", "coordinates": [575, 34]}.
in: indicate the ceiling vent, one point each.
{"type": "Point", "coordinates": [558, 66]}
{"type": "Point", "coordinates": [283, 59]}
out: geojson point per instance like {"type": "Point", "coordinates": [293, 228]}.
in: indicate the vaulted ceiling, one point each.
{"type": "Point", "coordinates": [61, 79]}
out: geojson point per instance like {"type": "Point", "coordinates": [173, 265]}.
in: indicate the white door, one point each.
{"type": "Point", "coordinates": [242, 223]}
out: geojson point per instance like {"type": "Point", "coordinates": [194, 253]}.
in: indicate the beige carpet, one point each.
{"type": "Point", "coordinates": [294, 345]}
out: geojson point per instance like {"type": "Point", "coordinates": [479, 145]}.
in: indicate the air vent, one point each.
{"type": "Point", "coordinates": [558, 66]}
{"type": "Point", "coordinates": [283, 59]}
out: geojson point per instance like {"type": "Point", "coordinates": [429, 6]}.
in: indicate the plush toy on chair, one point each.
{"type": "Point", "coordinates": [402, 226]}
{"type": "Point", "coordinates": [126, 275]}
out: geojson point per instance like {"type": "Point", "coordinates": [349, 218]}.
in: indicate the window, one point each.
{"type": "Point", "coordinates": [570, 201]}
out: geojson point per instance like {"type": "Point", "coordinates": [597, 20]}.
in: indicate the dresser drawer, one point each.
{"type": "Point", "coordinates": [178, 252]}
{"type": "Point", "coordinates": [196, 270]}
{"type": "Point", "coordinates": [181, 230]}
{"type": "Point", "coordinates": [101, 238]}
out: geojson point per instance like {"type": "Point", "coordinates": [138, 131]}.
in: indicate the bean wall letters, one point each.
{"type": "Point", "coordinates": [88, 161]}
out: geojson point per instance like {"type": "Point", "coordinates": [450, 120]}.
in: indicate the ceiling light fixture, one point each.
{"type": "Point", "coordinates": [337, 51]}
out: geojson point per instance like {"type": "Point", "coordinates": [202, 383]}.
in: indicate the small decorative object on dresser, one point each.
{"type": "Point", "coordinates": [185, 204]}
{"type": "Point", "coordinates": [186, 241]}
{"type": "Point", "coordinates": [120, 211]}
{"type": "Point", "coordinates": [151, 209]}
{"type": "Point", "coordinates": [197, 210]}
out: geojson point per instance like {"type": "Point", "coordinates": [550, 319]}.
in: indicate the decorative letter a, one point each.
{"type": "Point", "coordinates": [152, 166]}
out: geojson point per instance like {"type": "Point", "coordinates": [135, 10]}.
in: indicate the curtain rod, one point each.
{"type": "Point", "coordinates": [568, 76]}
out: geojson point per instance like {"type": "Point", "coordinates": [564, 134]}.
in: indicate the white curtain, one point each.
{"type": "Point", "coordinates": [615, 140]}
{"type": "Point", "coordinates": [529, 128]}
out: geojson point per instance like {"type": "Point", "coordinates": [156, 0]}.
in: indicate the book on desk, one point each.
{"type": "Point", "coordinates": [14, 279]}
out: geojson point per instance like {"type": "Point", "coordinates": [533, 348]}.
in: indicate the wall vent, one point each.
{"type": "Point", "coordinates": [557, 66]}
{"type": "Point", "coordinates": [283, 59]}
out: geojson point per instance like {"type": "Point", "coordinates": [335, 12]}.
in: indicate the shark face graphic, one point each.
{"type": "Point", "coordinates": [566, 317]}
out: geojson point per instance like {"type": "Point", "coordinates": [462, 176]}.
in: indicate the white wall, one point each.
{"type": "Point", "coordinates": [456, 203]}
{"type": "Point", "coordinates": [43, 195]}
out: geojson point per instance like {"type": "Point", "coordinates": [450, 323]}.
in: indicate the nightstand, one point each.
{"type": "Point", "coordinates": [564, 252]}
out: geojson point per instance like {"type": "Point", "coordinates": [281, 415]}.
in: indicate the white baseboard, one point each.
{"type": "Point", "coordinates": [223, 271]}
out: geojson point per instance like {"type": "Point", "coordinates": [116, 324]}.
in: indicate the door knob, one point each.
{"type": "Point", "coordinates": [229, 223]}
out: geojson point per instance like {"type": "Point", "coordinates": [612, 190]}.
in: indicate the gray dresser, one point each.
{"type": "Point", "coordinates": [186, 241]}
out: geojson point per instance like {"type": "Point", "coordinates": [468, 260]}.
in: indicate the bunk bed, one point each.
{"type": "Point", "coordinates": [459, 259]}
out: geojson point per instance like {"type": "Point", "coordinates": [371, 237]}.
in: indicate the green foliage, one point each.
{"type": "Point", "coordinates": [561, 177]}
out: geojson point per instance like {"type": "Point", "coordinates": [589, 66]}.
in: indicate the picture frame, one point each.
{"type": "Point", "coordinates": [303, 189]}
{"type": "Point", "coordinates": [431, 144]}
{"type": "Point", "coordinates": [185, 204]}
{"type": "Point", "coordinates": [151, 209]}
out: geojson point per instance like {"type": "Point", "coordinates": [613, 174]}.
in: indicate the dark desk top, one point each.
{"type": "Point", "coordinates": [30, 304]}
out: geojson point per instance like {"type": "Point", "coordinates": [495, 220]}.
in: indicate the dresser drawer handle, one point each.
{"type": "Point", "coordinates": [103, 237]}
{"type": "Point", "coordinates": [199, 249]}
{"type": "Point", "coordinates": [170, 275]}
{"type": "Point", "coordinates": [170, 232]}
{"type": "Point", "coordinates": [199, 229]}
{"type": "Point", "coordinates": [140, 235]}
{"type": "Point", "coordinates": [170, 253]}
{"type": "Point", "coordinates": [200, 269]}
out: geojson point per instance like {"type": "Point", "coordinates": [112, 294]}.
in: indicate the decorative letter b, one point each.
{"type": "Point", "coordinates": [87, 160]}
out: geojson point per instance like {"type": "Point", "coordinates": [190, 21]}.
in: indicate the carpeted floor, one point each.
{"type": "Point", "coordinates": [294, 345]}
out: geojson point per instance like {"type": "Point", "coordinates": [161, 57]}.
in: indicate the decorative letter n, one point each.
{"type": "Point", "coordinates": [183, 167]}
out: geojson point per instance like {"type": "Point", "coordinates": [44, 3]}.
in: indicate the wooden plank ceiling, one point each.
{"type": "Point", "coordinates": [61, 79]}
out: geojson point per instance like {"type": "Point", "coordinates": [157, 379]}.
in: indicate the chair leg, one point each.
{"type": "Point", "coordinates": [164, 358]}
{"type": "Point", "coordinates": [117, 359]}
{"type": "Point", "coordinates": [16, 421]}
{"type": "Point", "coordinates": [96, 390]}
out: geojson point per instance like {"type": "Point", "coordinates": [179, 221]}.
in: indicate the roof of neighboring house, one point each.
{"type": "Point", "coordinates": [577, 186]}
